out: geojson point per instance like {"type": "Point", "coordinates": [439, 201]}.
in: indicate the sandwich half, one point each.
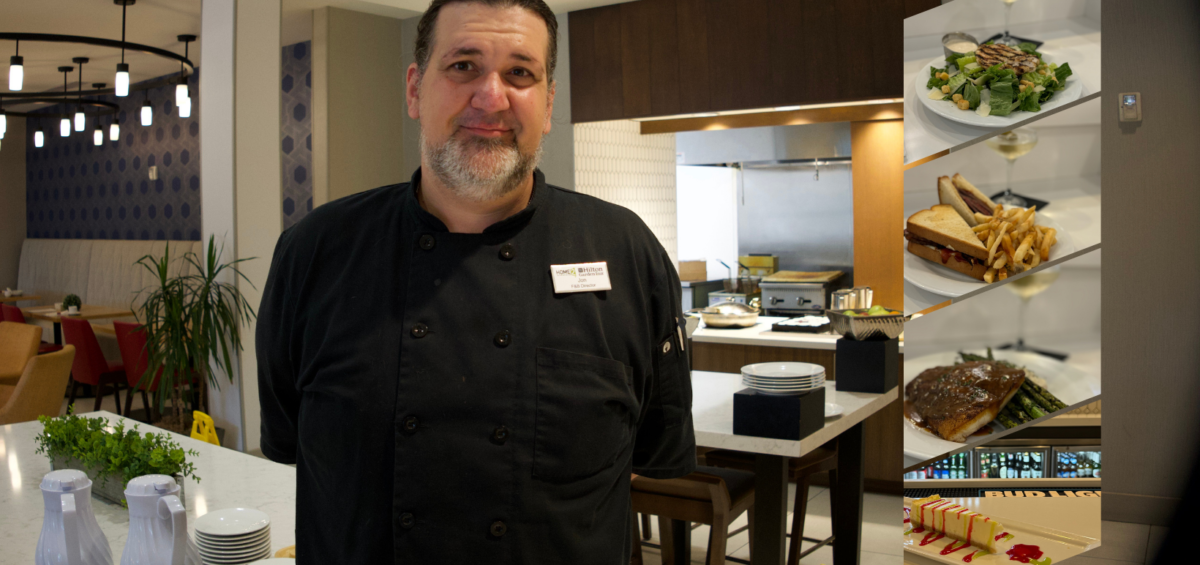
{"type": "Point", "coordinates": [961, 195]}
{"type": "Point", "coordinates": [942, 236]}
{"type": "Point", "coordinates": [957, 522]}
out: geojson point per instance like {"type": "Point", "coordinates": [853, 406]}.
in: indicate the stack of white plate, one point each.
{"type": "Point", "coordinates": [233, 536]}
{"type": "Point", "coordinates": [785, 379]}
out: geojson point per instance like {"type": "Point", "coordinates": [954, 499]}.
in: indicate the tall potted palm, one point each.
{"type": "Point", "coordinates": [193, 326]}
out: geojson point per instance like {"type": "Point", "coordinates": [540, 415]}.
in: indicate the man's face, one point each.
{"type": "Point", "coordinates": [484, 102]}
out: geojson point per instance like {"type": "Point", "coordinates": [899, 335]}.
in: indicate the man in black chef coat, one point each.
{"type": "Point", "coordinates": [467, 367]}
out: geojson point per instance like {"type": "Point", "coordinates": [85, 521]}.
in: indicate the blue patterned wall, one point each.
{"type": "Point", "coordinates": [296, 132]}
{"type": "Point", "coordinates": [77, 190]}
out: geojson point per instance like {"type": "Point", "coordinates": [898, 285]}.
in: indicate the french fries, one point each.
{"type": "Point", "coordinates": [1014, 241]}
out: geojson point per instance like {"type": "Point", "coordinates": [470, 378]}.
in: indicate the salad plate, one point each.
{"type": "Point", "coordinates": [947, 109]}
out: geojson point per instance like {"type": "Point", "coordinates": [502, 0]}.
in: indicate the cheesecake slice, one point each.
{"type": "Point", "coordinates": [957, 522]}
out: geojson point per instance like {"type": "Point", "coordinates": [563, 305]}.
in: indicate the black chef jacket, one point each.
{"type": "Point", "coordinates": [444, 405]}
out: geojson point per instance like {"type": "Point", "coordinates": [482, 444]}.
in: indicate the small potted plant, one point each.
{"type": "Point", "coordinates": [111, 456]}
{"type": "Point", "coordinates": [72, 303]}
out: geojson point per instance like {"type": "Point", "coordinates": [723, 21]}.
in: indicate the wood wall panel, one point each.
{"type": "Point", "coordinates": [739, 54]}
{"type": "Point", "coordinates": [914, 7]}
{"type": "Point", "coordinates": [878, 184]}
{"type": "Point", "coordinates": [692, 49]}
{"type": "Point", "coordinates": [635, 58]}
{"type": "Point", "coordinates": [585, 101]}
{"type": "Point", "coordinates": [805, 60]}
{"type": "Point", "coordinates": [664, 59]}
{"type": "Point", "coordinates": [608, 61]}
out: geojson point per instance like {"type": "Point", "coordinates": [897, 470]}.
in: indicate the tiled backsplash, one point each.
{"type": "Point", "coordinates": [615, 162]}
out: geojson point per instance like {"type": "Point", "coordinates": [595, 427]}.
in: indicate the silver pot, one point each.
{"type": "Point", "coordinates": [728, 315]}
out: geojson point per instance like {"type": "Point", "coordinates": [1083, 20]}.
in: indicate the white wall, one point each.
{"type": "Point", "coordinates": [615, 162]}
{"type": "Point", "coordinates": [12, 194]}
{"type": "Point", "coordinates": [975, 14]}
{"type": "Point", "coordinates": [706, 217]}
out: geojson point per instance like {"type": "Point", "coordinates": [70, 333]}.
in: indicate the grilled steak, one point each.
{"type": "Point", "coordinates": [1019, 61]}
{"type": "Point", "coordinates": [953, 402]}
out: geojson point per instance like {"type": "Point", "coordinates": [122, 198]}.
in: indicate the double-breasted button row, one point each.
{"type": "Point", "coordinates": [502, 339]}
{"type": "Point", "coordinates": [507, 252]}
{"type": "Point", "coordinates": [426, 242]}
{"type": "Point", "coordinates": [411, 424]}
{"type": "Point", "coordinates": [419, 330]}
{"type": "Point", "coordinates": [407, 521]}
{"type": "Point", "coordinates": [498, 529]}
{"type": "Point", "coordinates": [500, 435]}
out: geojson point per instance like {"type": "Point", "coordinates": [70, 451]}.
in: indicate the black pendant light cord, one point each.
{"type": "Point", "coordinates": [123, 8]}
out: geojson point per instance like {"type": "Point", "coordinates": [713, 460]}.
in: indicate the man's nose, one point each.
{"type": "Point", "coordinates": [491, 96]}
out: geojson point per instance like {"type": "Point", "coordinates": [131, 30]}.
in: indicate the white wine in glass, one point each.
{"type": "Point", "coordinates": [1012, 145]}
{"type": "Point", "coordinates": [1027, 287]}
{"type": "Point", "coordinates": [1007, 38]}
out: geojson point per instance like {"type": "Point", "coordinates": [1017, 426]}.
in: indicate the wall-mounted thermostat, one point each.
{"type": "Point", "coordinates": [1131, 106]}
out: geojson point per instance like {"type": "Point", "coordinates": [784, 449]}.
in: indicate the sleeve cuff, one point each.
{"type": "Point", "coordinates": [277, 454]}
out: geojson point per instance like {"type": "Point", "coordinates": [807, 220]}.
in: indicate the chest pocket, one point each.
{"type": "Point", "coordinates": [585, 414]}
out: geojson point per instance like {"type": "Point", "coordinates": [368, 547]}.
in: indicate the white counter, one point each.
{"type": "Point", "coordinates": [228, 479]}
{"type": "Point", "coordinates": [761, 335]}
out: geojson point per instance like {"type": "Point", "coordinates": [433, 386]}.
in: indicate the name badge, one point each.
{"type": "Point", "coordinates": [580, 277]}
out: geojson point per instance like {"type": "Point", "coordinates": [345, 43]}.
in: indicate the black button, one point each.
{"type": "Point", "coordinates": [410, 424]}
{"type": "Point", "coordinates": [498, 528]}
{"type": "Point", "coordinates": [507, 252]}
{"type": "Point", "coordinates": [426, 242]}
{"type": "Point", "coordinates": [407, 521]}
{"type": "Point", "coordinates": [419, 330]}
{"type": "Point", "coordinates": [500, 435]}
{"type": "Point", "coordinates": [502, 339]}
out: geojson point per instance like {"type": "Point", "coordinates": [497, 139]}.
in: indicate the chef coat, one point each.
{"type": "Point", "coordinates": [443, 404]}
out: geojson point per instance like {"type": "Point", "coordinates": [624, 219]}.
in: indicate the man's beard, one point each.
{"type": "Point", "coordinates": [479, 169]}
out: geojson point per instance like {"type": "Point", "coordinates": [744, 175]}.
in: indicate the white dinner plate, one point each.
{"type": "Point", "coordinates": [240, 545]}
{"type": "Point", "coordinates": [239, 539]}
{"type": "Point", "coordinates": [932, 277]}
{"type": "Point", "coordinates": [788, 384]}
{"type": "Point", "coordinates": [815, 380]}
{"type": "Point", "coordinates": [947, 109]}
{"type": "Point", "coordinates": [239, 556]}
{"type": "Point", "coordinates": [1070, 384]}
{"type": "Point", "coordinates": [232, 522]}
{"type": "Point", "coordinates": [783, 370]}
{"type": "Point", "coordinates": [236, 561]}
{"type": "Point", "coordinates": [1056, 545]}
{"type": "Point", "coordinates": [832, 410]}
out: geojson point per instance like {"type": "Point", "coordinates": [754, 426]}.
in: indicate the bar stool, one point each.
{"type": "Point", "coordinates": [711, 495]}
{"type": "Point", "coordinates": [800, 469]}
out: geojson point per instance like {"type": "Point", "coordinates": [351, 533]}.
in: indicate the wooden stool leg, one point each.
{"type": "Point", "coordinates": [832, 488]}
{"type": "Point", "coordinates": [646, 529]}
{"type": "Point", "coordinates": [129, 402]}
{"type": "Point", "coordinates": [146, 405]}
{"type": "Point", "coordinates": [750, 529]}
{"type": "Point", "coordinates": [717, 538]}
{"type": "Point", "coordinates": [117, 395]}
{"type": "Point", "coordinates": [99, 397]}
{"type": "Point", "coordinates": [74, 388]}
{"type": "Point", "coordinates": [800, 510]}
{"type": "Point", "coordinates": [636, 557]}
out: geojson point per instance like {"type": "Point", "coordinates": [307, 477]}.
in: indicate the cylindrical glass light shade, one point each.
{"type": "Point", "coordinates": [80, 120]}
{"type": "Point", "coordinates": [64, 127]}
{"type": "Point", "coordinates": [181, 94]}
{"type": "Point", "coordinates": [114, 132]}
{"type": "Point", "coordinates": [98, 136]}
{"type": "Point", "coordinates": [16, 73]}
{"type": "Point", "coordinates": [3, 124]}
{"type": "Point", "coordinates": [39, 138]}
{"type": "Point", "coordinates": [122, 84]}
{"type": "Point", "coordinates": [185, 109]}
{"type": "Point", "coordinates": [147, 114]}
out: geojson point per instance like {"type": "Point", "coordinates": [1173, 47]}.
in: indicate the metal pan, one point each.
{"type": "Point", "coordinates": [728, 315]}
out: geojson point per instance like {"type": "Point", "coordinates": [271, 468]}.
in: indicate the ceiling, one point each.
{"type": "Point", "coordinates": [157, 23]}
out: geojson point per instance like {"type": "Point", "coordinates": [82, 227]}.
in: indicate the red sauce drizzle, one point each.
{"type": "Point", "coordinates": [1001, 536]}
{"type": "Point", "coordinates": [970, 527]}
{"type": "Point", "coordinates": [918, 529]}
{"type": "Point", "coordinates": [971, 556]}
{"type": "Point", "coordinates": [951, 549]}
{"type": "Point", "coordinates": [1024, 553]}
{"type": "Point", "coordinates": [906, 520]}
{"type": "Point", "coordinates": [928, 540]}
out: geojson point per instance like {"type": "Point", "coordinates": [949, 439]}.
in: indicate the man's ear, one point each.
{"type": "Point", "coordinates": [411, 91]}
{"type": "Point", "coordinates": [549, 107]}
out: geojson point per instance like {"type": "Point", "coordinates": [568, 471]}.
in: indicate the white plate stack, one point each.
{"type": "Point", "coordinates": [233, 536]}
{"type": "Point", "coordinates": [783, 378]}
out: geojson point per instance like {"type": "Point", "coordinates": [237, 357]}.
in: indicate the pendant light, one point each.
{"type": "Point", "coordinates": [147, 111]}
{"type": "Point", "coordinates": [114, 130]}
{"type": "Point", "coordinates": [80, 117]}
{"type": "Point", "coordinates": [98, 134]}
{"type": "Point", "coordinates": [3, 120]}
{"type": "Point", "coordinates": [39, 137]}
{"type": "Point", "coordinates": [183, 98]}
{"type": "Point", "coordinates": [16, 71]}
{"type": "Point", "coordinates": [122, 83]}
{"type": "Point", "coordinates": [64, 126]}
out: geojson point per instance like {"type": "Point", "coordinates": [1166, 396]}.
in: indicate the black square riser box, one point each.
{"type": "Point", "coordinates": [867, 366]}
{"type": "Point", "coordinates": [778, 417]}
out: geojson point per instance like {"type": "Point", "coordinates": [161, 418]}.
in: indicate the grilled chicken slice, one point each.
{"type": "Point", "coordinates": [1019, 61]}
{"type": "Point", "coordinates": [953, 402]}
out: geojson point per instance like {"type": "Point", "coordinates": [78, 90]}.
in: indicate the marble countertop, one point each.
{"type": "Point", "coordinates": [228, 479]}
{"type": "Point", "coordinates": [712, 415]}
{"type": "Point", "coordinates": [1076, 41]}
{"type": "Point", "coordinates": [761, 335]}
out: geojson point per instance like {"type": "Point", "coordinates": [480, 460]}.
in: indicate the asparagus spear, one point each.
{"type": "Point", "coordinates": [1041, 401]}
{"type": "Point", "coordinates": [1046, 394]}
{"type": "Point", "coordinates": [1015, 413]}
{"type": "Point", "coordinates": [1028, 405]}
{"type": "Point", "coordinates": [1005, 420]}
{"type": "Point", "coordinates": [968, 357]}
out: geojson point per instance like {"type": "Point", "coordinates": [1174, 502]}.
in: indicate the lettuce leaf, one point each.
{"type": "Point", "coordinates": [971, 94]}
{"type": "Point", "coordinates": [957, 81]}
{"type": "Point", "coordinates": [1062, 72]}
{"type": "Point", "coordinates": [934, 81]}
{"type": "Point", "coordinates": [1029, 48]}
{"type": "Point", "coordinates": [1030, 104]}
{"type": "Point", "coordinates": [1002, 97]}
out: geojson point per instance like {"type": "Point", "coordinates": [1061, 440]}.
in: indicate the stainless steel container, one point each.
{"type": "Point", "coordinates": [863, 296]}
{"type": "Point", "coordinates": [957, 36]}
{"type": "Point", "coordinates": [843, 299]}
{"type": "Point", "coordinates": [728, 315]}
{"type": "Point", "coordinates": [861, 327]}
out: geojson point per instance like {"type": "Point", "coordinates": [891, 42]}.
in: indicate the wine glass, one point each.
{"type": "Point", "coordinates": [1007, 38]}
{"type": "Point", "coordinates": [1012, 144]}
{"type": "Point", "coordinates": [1027, 287]}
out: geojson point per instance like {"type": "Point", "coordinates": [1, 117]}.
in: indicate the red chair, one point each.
{"type": "Point", "coordinates": [14, 314]}
{"type": "Point", "coordinates": [90, 366]}
{"type": "Point", "coordinates": [136, 359]}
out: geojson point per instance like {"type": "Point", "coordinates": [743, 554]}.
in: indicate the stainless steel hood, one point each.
{"type": "Point", "coordinates": [765, 145]}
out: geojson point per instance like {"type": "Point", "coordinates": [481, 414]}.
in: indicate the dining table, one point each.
{"type": "Point", "coordinates": [712, 418]}
{"type": "Point", "coordinates": [21, 298]}
{"type": "Point", "coordinates": [86, 312]}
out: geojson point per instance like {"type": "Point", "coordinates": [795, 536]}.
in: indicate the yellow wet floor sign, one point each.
{"type": "Point", "coordinates": [203, 428]}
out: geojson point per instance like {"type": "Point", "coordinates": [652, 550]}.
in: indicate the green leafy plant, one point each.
{"type": "Point", "coordinates": [193, 326]}
{"type": "Point", "coordinates": [72, 300]}
{"type": "Point", "coordinates": [118, 454]}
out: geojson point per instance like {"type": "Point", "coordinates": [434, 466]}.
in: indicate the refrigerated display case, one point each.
{"type": "Point", "coordinates": [1077, 462]}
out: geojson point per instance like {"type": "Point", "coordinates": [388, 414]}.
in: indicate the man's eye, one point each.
{"type": "Point", "coordinates": [461, 66]}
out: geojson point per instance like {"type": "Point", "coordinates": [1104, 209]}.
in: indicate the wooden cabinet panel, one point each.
{"type": "Point", "coordinates": [666, 57]}
{"type": "Point", "coordinates": [914, 7]}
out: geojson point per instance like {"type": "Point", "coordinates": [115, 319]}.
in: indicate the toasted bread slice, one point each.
{"type": "Point", "coordinates": [960, 194]}
{"type": "Point", "coordinates": [975, 270]}
{"type": "Point", "coordinates": [943, 225]}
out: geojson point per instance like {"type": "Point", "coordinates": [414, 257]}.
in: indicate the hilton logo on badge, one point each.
{"type": "Point", "coordinates": [580, 277]}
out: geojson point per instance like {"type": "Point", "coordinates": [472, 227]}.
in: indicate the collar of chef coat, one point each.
{"type": "Point", "coordinates": [539, 197]}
